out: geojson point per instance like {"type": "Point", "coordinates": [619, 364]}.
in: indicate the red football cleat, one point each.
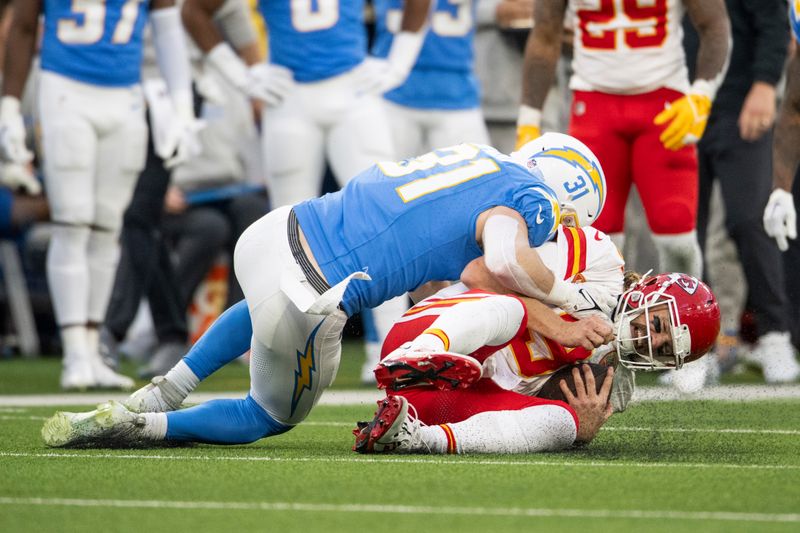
{"type": "Point", "coordinates": [391, 430]}
{"type": "Point", "coordinates": [443, 370]}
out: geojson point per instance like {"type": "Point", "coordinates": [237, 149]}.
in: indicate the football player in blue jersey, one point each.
{"type": "Point", "coordinates": [305, 269]}
{"type": "Point", "coordinates": [439, 102]}
{"type": "Point", "coordinates": [437, 105]}
{"type": "Point", "coordinates": [323, 97]}
{"type": "Point", "coordinates": [94, 141]}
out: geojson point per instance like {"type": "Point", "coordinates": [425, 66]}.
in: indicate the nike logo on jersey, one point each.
{"type": "Point", "coordinates": [539, 218]}
{"type": "Point", "coordinates": [597, 236]}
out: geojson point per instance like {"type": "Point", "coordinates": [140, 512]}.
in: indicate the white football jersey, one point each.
{"type": "Point", "coordinates": [628, 46]}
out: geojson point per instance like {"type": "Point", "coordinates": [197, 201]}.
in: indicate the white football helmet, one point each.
{"type": "Point", "coordinates": [571, 170]}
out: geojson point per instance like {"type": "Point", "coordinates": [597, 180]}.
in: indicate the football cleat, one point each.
{"type": "Point", "coordinates": [109, 424]}
{"type": "Point", "coordinates": [105, 378]}
{"type": "Point", "coordinates": [443, 370]}
{"type": "Point", "coordinates": [392, 430]}
{"type": "Point", "coordinates": [158, 396]}
{"type": "Point", "coordinates": [76, 374]}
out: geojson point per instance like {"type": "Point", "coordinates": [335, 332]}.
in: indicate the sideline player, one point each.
{"type": "Point", "coordinates": [94, 140]}
{"type": "Point", "coordinates": [780, 215]}
{"type": "Point", "coordinates": [633, 105]}
{"type": "Point", "coordinates": [304, 269]}
{"type": "Point", "coordinates": [662, 322]}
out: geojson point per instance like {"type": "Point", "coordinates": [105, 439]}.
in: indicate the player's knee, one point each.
{"type": "Point", "coordinates": [257, 423]}
{"type": "Point", "coordinates": [672, 218]}
{"type": "Point", "coordinates": [69, 242]}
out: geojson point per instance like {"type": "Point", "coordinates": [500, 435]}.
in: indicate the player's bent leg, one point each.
{"type": "Point", "coordinates": [405, 368]}
{"type": "Point", "coordinates": [222, 422]}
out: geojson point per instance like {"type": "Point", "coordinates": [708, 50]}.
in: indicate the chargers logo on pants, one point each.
{"type": "Point", "coordinates": [306, 365]}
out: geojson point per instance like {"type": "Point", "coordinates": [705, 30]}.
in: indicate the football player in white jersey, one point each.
{"type": "Point", "coordinates": [633, 105]}
{"type": "Point", "coordinates": [94, 139]}
{"type": "Point", "coordinates": [529, 395]}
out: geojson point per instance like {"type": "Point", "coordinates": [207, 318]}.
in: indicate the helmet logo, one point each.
{"type": "Point", "coordinates": [687, 283]}
{"type": "Point", "coordinates": [578, 160]}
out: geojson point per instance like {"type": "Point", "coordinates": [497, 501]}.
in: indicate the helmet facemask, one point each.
{"type": "Point", "coordinates": [637, 317]}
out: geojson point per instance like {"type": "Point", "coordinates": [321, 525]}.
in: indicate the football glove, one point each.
{"type": "Point", "coordinates": [377, 75]}
{"type": "Point", "coordinates": [266, 82]}
{"type": "Point", "coordinates": [687, 117]}
{"type": "Point", "coordinates": [780, 218]}
{"type": "Point", "coordinates": [526, 133]}
{"type": "Point", "coordinates": [12, 132]}
{"type": "Point", "coordinates": [18, 176]}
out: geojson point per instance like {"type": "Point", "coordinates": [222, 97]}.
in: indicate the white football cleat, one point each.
{"type": "Point", "coordinates": [774, 353]}
{"type": "Point", "coordinates": [693, 376]}
{"type": "Point", "coordinates": [110, 423]}
{"type": "Point", "coordinates": [76, 373]}
{"type": "Point", "coordinates": [105, 378]}
{"type": "Point", "coordinates": [158, 396]}
{"type": "Point", "coordinates": [393, 429]}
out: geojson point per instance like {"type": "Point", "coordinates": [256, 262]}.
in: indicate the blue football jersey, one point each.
{"type": "Point", "coordinates": [443, 76]}
{"type": "Point", "coordinates": [794, 15]}
{"type": "Point", "coordinates": [409, 222]}
{"type": "Point", "coordinates": [315, 39]}
{"type": "Point", "coordinates": [94, 41]}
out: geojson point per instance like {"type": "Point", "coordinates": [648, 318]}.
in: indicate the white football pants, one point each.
{"type": "Point", "coordinates": [415, 131]}
{"type": "Point", "coordinates": [94, 140]}
{"type": "Point", "coordinates": [319, 120]}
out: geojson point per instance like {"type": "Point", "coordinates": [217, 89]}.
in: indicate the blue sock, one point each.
{"type": "Point", "coordinates": [227, 338]}
{"type": "Point", "coordinates": [223, 422]}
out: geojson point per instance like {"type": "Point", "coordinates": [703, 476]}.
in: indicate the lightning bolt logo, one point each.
{"type": "Point", "coordinates": [304, 375]}
{"type": "Point", "coordinates": [577, 159]}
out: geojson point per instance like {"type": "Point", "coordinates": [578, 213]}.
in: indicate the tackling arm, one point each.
{"type": "Point", "coordinates": [539, 66]}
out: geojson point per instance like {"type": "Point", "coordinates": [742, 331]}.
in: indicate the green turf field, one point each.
{"type": "Point", "coordinates": [661, 466]}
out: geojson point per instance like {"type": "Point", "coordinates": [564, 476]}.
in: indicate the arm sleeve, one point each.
{"type": "Point", "coordinates": [770, 20]}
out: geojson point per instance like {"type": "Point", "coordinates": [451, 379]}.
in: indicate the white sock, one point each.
{"type": "Point", "coordinates": [183, 378]}
{"type": "Point", "coordinates": [68, 273]}
{"type": "Point", "coordinates": [93, 339]}
{"type": "Point", "coordinates": [434, 439]}
{"type": "Point", "coordinates": [467, 326]}
{"type": "Point", "coordinates": [680, 253]}
{"type": "Point", "coordinates": [103, 257]}
{"type": "Point", "coordinates": [75, 341]}
{"type": "Point", "coordinates": [540, 428]}
{"type": "Point", "coordinates": [155, 426]}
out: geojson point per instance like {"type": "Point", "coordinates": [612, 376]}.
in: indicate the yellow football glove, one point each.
{"type": "Point", "coordinates": [687, 117]}
{"type": "Point", "coordinates": [526, 133]}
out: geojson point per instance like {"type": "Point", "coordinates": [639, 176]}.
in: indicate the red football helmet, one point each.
{"type": "Point", "coordinates": [643, 339]}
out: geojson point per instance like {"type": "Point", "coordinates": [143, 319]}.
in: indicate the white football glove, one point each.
{"type": "Point", "coordinates": [377, 76]}
{"type": "Point", "coordinates": [19, 176]}
{"type": "Point", "coordinates": [12, 132]}
{"type": "Point", "coordinates": [182, 140]}
{"type": "Point", "coordinates": [266, 82]}
{"type": "Point", "coordinates": [590, 300]}
{"type": "Point", "coordinates": [780, 218]}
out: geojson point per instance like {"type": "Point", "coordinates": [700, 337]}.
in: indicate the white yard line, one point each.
{"type": "Point", "coordinates": [383, 460]}
{"type": "Point", "coordinates": [368, 397]}
{"type": "Point", "coordinates": [382, 509]}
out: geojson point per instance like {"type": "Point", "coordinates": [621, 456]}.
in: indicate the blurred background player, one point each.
{"type": "Point", "coordinates": [94, 140]}
{"type": "Point", "coordinates": [146, 267]}
{"type": "Point", "coordinates": [633, 105]}
{"type": "Point", "coordinates": [736, 150]}
{"type": "Point", "coordinates": [438, 104]}
{"type": "Point", "coordinates": [780, 215]}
